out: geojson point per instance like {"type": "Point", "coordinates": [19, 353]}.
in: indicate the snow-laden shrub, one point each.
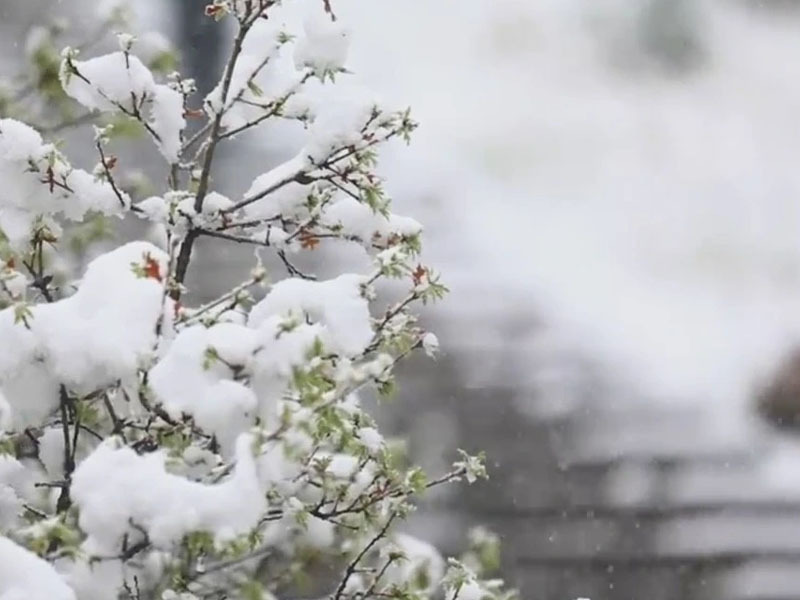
{"type": "Point", "coordinates": [150, 448]}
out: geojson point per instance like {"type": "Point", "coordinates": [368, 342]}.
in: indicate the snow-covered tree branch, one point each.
{"type": "Point", "coordinates": [155, 449]}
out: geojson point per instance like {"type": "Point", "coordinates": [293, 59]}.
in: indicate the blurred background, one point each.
{"type": "Point", "coordinates": [611, 189]}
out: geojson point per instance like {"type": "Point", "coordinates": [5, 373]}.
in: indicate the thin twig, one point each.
{"type": "Point", "coordinates": [185, 252]}
{"type": "Point", "coordinates": [64, 501]}
{"type": "Point", "coordinates": [351, 568]}
{"type": "Point", "coordinates": [109, 176]}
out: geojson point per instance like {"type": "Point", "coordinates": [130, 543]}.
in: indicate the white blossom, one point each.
{"type": "Point", "coordinates": [430, 343]}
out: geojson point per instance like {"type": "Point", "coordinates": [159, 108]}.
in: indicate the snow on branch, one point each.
{"type": "Point", "coordinates": [151, 447]}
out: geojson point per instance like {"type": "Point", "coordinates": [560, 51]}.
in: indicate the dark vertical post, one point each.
{"type": "Point", "coordinates": [671, 33]}
{"type": "Point", "coordinates": [200, 41]}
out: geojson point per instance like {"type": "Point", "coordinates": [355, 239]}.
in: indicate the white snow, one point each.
{"type": "Point", "coordinates": [108, 82]}
{"type": "Point", "coordinates": [371, 438]}
{"type": "Point", "coordinates": [430, 343]}
{"type": "Point", "coordinates": [339, 122]}
{"type": "Point", "coordinates": [155, 209]}
{"type": "Point", "coordinates": [337, 304]}
{"type": "Point", "coordinates": [88, 340]}
{"type": "Point", "coordinates": [324, 45]}
{"type": "Point", "coordinates": [187, 381]}
{"type": "Point", "coordinates": [28, 194]}
{"type": "Point", "coordinates": [168, 122]}
{"type": "Point", "coordinates": [356, 218]}
{"type": "Point", "coordinates": [286, 200]}
{"type": "Point", "coordinates": [25, 576]}
{"type": "Point", "coordinates": [16, 486]}
{"type": "Point", "coordinates": [94, 195]}
{"type": "Point", "coordinates": [121, 82]}
{"type": "Point", "coordinates": [114, 487]}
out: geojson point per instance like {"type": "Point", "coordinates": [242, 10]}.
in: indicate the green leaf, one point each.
{"type": "Point", "coordinates": [253, 87]}
{"type": "Point", "coordinates": [252, 590]}
{"type": "Point", "coordinates": [210, 356]}
{"type": "Point", "coordinates": [164, 62]}
{"type": "Point", "coordinates": [22, 314]}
